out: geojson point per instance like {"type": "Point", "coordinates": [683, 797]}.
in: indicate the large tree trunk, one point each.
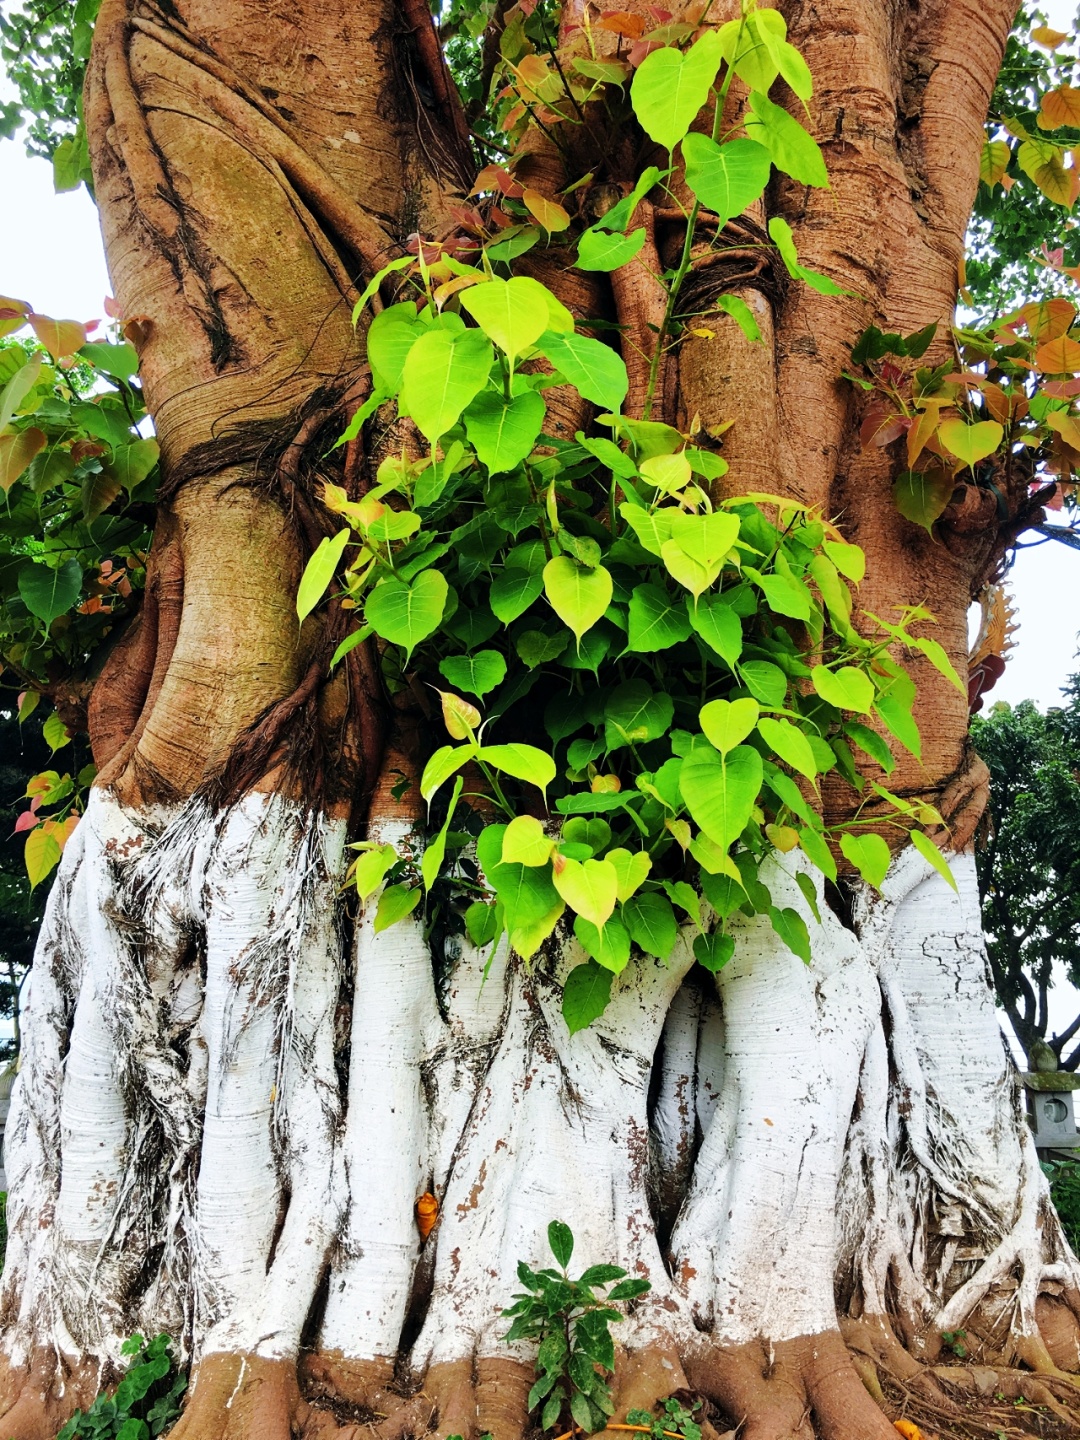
{"type": "Point", "coordinates": [232, 1092]}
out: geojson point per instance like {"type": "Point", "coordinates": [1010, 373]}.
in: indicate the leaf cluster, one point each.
{"type": "Point", "coordinates": [570, 1320]}
{"type": "Point", "coordinates": [146, 1403]}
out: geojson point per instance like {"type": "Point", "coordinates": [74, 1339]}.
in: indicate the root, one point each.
{"type": "Point", "coordinates": [239, 1397]}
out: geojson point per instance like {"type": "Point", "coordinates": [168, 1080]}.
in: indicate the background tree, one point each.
{"type": "Point", "coordinates": [1028, 864]}
{"type": "Point", "coordinates": [220, 1129]}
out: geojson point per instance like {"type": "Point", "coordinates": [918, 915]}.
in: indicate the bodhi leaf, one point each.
{"type": "Point", "coordinates": [525, 843]}
{"type": "Point", "coordinates": [578, 596]}
{"type": "Point", "coordinates": [319, 571]}
{"type": "Point", "coordinates": [651, 922]}
{"type": "Point", "coordinates": [435, 850]}
{"type": "Point", "coordinates": [718, 625]}
{"type": "Point", "coordinates": [476, 674]}
{"type": "Point", "coordinates": [929, 851]}
{"type": "Point", "coordinates": [443, 372]}
{"type": "Point", "coordinates": [593, 368]}
{"type": "Point", "coordinates": [523, 762]}
{"type": "Point", "coordinates": [869, 854]}
{"type": "Point", "coordinates": [727, 178]}
{"type": "Point", "coordinates": [49, 593]}
{"type": "Point", "coordinates": [513, 313]}
{"type": "Point", "coordinates": [605, 250]}
{"type": "Point", "coordinates": [609, 947]}
{"type": "Point", "coordinates": [631, 870]}
{"type": "Point", "coordinates": [846, 688]}
{"type": "Point", "coordinates": [589, 887]}
{"type": "Point", "coordinates": [656, 621]}
{"type": "Point", "coordinates": [635, 713]}
{"type": "Point", "coordinates": [791, 927]}
{"type": "Point", "coordinates": [407, 613]}
{"type": "Point", "coordinates": [720, 791]}
{"type": "Point", "coordinates": [789, 742]}
{"type": "Point", "coordinates": [371, 867]}
{"type": "Point", "coordinates": [585, 997]}
{"type": "Point", "coordinates": [669, 88]}
{"type": "Point", "coordinates": [501, 431]}
{"type": "Point", "coordinates": [17, 451]}
{"type": "Point", "coordinates": [727, 723]}
{"type": "Point", "coordinates": [970, 443]}
{"type": "Point", "coordinates": [792, 149]}
{"type": "Point", "coordinates": [395, 902]}
{"type": "Point", "coordinates": [922, 496]}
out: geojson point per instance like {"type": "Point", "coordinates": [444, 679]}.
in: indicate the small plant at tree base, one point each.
{"type": "Point", "coordinates": [572, 1323]}
{"type": "Point", "coordinates": [144, 1404]}
{"type": "Point", "coordinates": [954, 1341]}
{"type": "Point", "coordinates": [674, 1419]}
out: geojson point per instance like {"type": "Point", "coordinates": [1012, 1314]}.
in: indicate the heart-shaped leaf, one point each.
{"type": "Point", "coordinates": [720, 791]}
{"type": "Point", "coordinates": [48, 593]}
{"type": "Point", "coordinates": [476, 674]}
{"type": "Point", "coordinates": [869, 854]}
{"type": "Point", "coordinates": [631, 870]}
{"type": "Point", "coordinates": [593, 368]}
{"type": "Point", "coordinates": [846, 688]}
{"type": "Point", "coordinates": [727, 723]}
{"type": "Point", "coordinates": [578, 596]}
{"type": "Point", "coordinates": [513, 313]}
{"type": "Point", "coordinates": [585, 997]}
{"type": "Point", "coordinates": [443, 371]}
{"type": "Point", "coordinates": [604, 250]}
{"type": "Point", "coordinates": [669, 88]}
{"type": "Point", "coordinates": [726, 178]}
{"type": "Point", "coordinates": [501, 431]}
{"type": "Point", "coordinates": [404, 613]}
{"type": "Point", "coordinates": [525, 843]}
{"type": "Point", "coordinates": [589, 887]}
{"type": "Point", "coordinates": [971, 443]}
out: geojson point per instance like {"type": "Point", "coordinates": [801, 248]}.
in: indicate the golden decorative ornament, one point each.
{"type": "Point", "coordinates": [427, 1212]}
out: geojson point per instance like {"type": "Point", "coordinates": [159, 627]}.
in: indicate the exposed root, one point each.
{"type": "Point", "coordinates": [239, 1397]}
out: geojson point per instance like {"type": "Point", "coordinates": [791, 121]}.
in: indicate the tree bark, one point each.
{"type": "Point", "coordinates": [233, 1091]}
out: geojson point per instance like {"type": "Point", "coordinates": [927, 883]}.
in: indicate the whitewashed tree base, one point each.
{"type": "Point", "coordinates": [199, 1133]}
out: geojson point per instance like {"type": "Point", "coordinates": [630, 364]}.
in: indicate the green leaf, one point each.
{"type": "Point", "coordinates": [589, 887]}
{"type": "Point", "coordinates": [631, 868]}
{"type": "Point", "coordinates": [726, 178]}
{"type": "Point", "coordinates": [603, 250]}
{"type": "Point", "coordinates": [443, 372]}
{"type": "Point", "coordinates": [585, 995]}
{"type": "Point", "coordinates": [525, 843]}
{"type": "Point", "coordinates": [609, 947]}
{"type": "Point", "coordinates": [651, 922]}
{"type": "Point", "coordinates": [850, 560]}
{"type": "Point", "coordinates": [900, 723]}
{"type": "Point", "coordinates": [501, 431]}
{"type": "Point", "coordinates": [713, 951]}
{"type": "Point", "coordinates": [929, 851]}
{"type": "Point", "coordinates": [445, 762]}
{"type": "Point", "coordinates": [481, 923]}
{"type": "Point", "coordinates": [54, 733]}
{"type": "Point", "coordinates": [669, 88]}
{"type": "Point", "coordinates": [727, 723]}
{"type": "Point", "coordinates": [513, 313]}
{"type": "Point", "coordinates": [784, 240]}
{"type": "Point", "coordinates": [594, 834]}
{"type": "Point", "coordinates": [792, 149]}
{"type": "Point", "coordinates": [512, 592]}
{"type": "Point", "coordinates": [656, 621]}
{"type": "Point", "coordinates": [846, 688]}
{"type": "Point", "coordinates": [561, 1240]}
{"type": "Point", "coordinates": [578, 596]}
{"type": "Point", "coordinates": [41, 854]}
{"type": "Point", "coordinates": [872, 743]}
{"type": "Point", "coordinates": [813, 845]}
{"type": "Point", "coordinates": [406, 614]}
{"type": "Point", "coordinates": [869, 854]}
{"type": "Point", "coordinates": [937, 656]}
{"type": "Point", "coordinates": [593, 368]}
{"type": "Point", "coordinates": [475, 674]}
{"type": "Point", "coordinates": [718, 625]}
{"type": "Point", "coordinates": [395, 902]}
{"type": "Point", "coordinates": [131, 464]}
{"type": "Point", "coordinates": [120, 360]}
{"type": "Point", "coordinates": [791, 927]}
{"type": "Point", "coordinates": [751, 46]}
{"type": "Point", "coordinates": [740, 312]}
{"type": "Point", "coordinates": [783, 595]}
{"type": "Point", "coordinates": [523, 762]}
{"type": "Point", "coordinates": [634, 713]}
{"type": "Point", "coordinates": [970, 443]}
{"type": "Point", "coordinates": [765, 681]}
{"type": "Point", "coordinates": [319, 571]}
{"type": "Point", "coordinates": [435, 850]}
{"type": "Point", "coordinates": [391, 335]}
{"type": "Point", "coordinates": [48, 593]}
{"type": "Point", "coordinates": [720, 791]}
{"type": "Point", "coordinates": [789, 742]}
{"type": "Point", "coordinates": [371, 867]}
{"type": "Point", "coordinates": [620, 215]}
{"type": "Point", "coordinates": [809, 893]}
{"type": "Point", "coordinates": [922, 496]}
{"type": "Point", "coordinates": [18, 388]}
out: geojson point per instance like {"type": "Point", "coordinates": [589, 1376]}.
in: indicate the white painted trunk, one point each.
{"type": "Point", "coordinates": [200, 1127]}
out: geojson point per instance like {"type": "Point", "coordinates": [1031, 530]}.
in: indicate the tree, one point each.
{"type": "Point", "coordinates": [1028, 863]}
{"type": "Point", "coordinates": [808, 1141]}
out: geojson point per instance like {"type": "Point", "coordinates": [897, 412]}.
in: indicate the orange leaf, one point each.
{"type": "Point", "coordinates": [17, 449]}
{"type": "Point", "coordinates": [1060, 356]}
{"type": "Point", "coordinates": [623, 23]}
{"type": "Point", "coordinates": [1067, 426]}
{"type": "Point", "coordinates": [550, 215]}
{"type": "Point", "coordinates": [1047, 319]}
{"type": "Point", "coordinates": [1049, 39]}
{"type": "Point", "coordinates": [1060, 107]}
{"type": "Point", "coordinates": [60, 337]}
{"type": "Point", "coordinates": [908, 1429]}
{"type": "Point", "coordinates": [920, 432]}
